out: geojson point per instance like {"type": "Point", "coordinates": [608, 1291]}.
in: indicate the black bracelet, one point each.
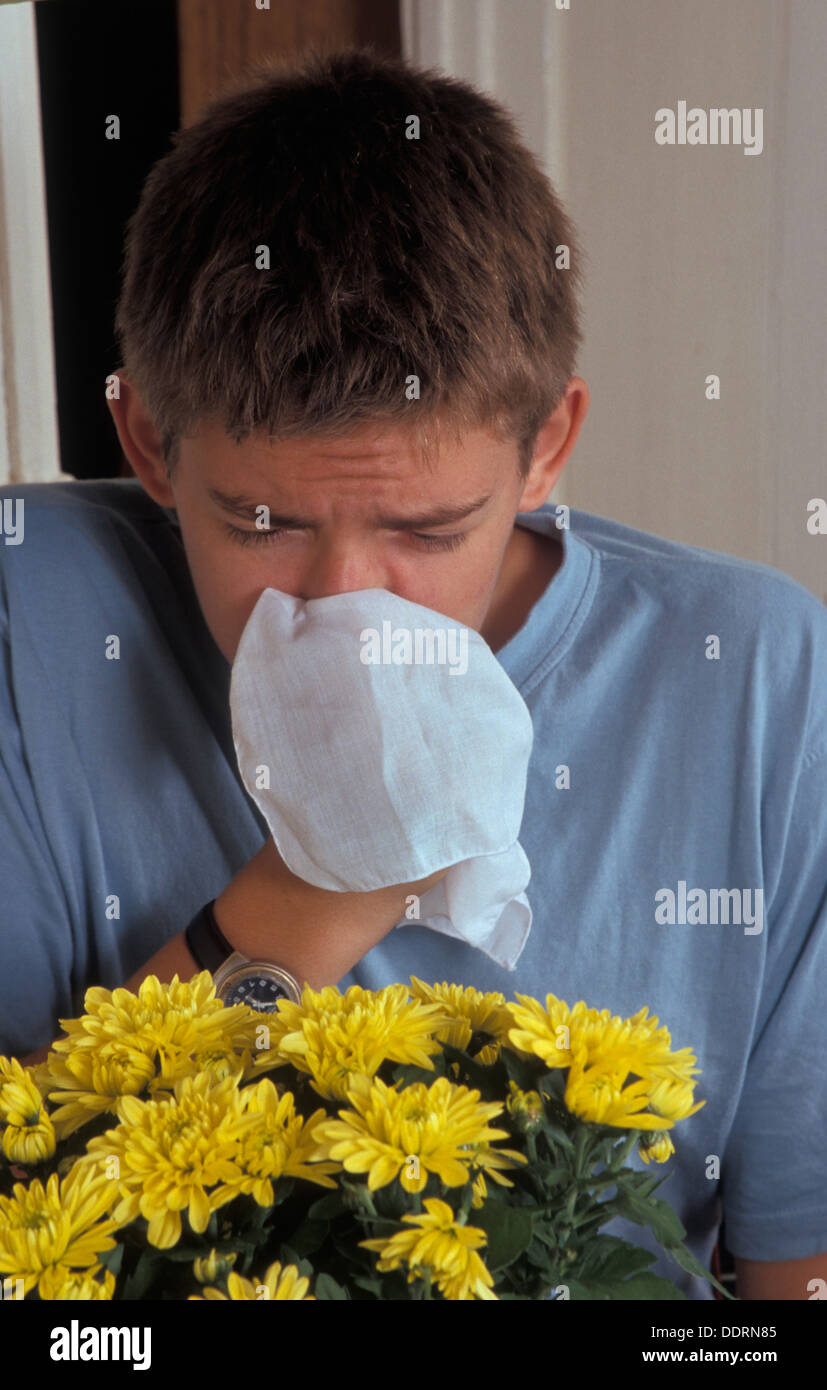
{"type": "Point", "coordinates": [207, 943]}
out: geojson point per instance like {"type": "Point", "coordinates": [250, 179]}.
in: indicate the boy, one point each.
{"type": "Point", "coordinates": [350, 313]}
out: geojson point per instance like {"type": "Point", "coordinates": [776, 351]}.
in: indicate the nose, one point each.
{"type": "Point", "coordinates": [342, 567]}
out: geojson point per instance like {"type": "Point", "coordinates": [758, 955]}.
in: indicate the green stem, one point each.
{"type": "Point", "coordinates": [467, 1198]}
{"type": "Point", "coordinates": [619, 1159]}
{"type": "Point", "coordinates": [366, 1197]}
{"type": "Point", "coordinates": [581, 1151]}
{"type": "Point", "coordinates": [533, 1157]}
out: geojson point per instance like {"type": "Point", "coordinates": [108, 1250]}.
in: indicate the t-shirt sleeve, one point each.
{"type": "Point", "coordinates": [35, 931]}
{"type": "Point", "coordinates": [774, 1173]}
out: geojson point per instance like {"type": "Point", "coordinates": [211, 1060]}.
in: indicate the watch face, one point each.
{"type": "Point", "coordinates": [256, 990]}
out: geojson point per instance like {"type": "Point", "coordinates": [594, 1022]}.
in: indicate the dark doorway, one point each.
{"type": "Point", "coordinates": [97, 60]}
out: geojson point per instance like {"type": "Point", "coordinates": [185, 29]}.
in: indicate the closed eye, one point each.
{"type": "Point", "coordinates": [450, 542]}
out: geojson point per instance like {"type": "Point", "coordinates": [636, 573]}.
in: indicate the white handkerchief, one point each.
{"type": "Point", "coordinates": [382, 741]}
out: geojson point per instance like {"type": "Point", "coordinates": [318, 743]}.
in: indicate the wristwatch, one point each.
{"type": "Point", "coordinates": [238, 980]}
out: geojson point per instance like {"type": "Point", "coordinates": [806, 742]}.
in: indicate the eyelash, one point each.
{"type": "Point", "coordinates": [432, 542]}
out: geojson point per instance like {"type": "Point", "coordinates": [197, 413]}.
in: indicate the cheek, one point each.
{"type": "Point", "coordinates": [460, 592]}
{"type": "Point", "coordinates": [228, 586]}
{"type": "Point", "coordinates": [226, 595]}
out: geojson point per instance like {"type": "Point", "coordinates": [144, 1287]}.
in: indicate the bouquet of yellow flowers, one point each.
{"type": "Point", "coordinates": [171, 1148]}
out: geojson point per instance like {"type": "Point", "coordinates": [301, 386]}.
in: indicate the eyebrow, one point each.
{"type": "Point", "coordinates": [438, 516]}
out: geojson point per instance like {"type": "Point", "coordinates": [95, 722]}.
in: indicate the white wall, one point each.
{"type": "Point", "coordinates": [699, 259]}
{"type": "Point", "coordinates": [29, 449]}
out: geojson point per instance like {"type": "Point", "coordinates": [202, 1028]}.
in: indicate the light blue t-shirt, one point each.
{"type": "Point", "coordinates": [679, 702]}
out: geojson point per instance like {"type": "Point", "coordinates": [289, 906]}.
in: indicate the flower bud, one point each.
{"type": "Point", "coordinates": [526, 1107]}
{"type": "Point", "coordinates": [656, 1144]}
{"type": "Point", "coordinates": [213, 1267]}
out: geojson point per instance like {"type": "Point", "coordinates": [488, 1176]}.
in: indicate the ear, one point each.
{"type": "Point", "coordinates": [140, 441]}
{"type": "Point", "coordinates": [554, 444]}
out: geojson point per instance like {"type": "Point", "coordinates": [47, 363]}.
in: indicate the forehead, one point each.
{"type": "Point", "coordinates": [378, 458]}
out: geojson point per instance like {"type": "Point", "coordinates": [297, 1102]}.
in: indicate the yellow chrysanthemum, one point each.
{"type": "Point", "coordinates": [56, 1227]}
{"type": "Point", "coordinates": [596, 1093]}
{"type": "Point", "coordinates": [220, 1061]}
{"type": "Point", "coordinates": [243, 1050]}
{"type": "Point", "coordinates": [279, 1146]}
{"type": "Point", "coordinates": [441, 1244]}
{"type": "Point", "coordinates": [480, 1191]}
{"type": "Point", "coordinates": [29, 1144]}
{"type": "Point", "coordinates": [555, 1033]}
{"type": "Point", "coordinates": [63, 1284]}
{"type": "Point", "coordinates": [169, 1014]}
{"type": "Point", "coordinates": [436, 1126]}
{"type": "Point", "coordinates": [89, 1082]}
{"type": "Point", "coordinates": [491, 1159]}
{"type": "Point", "coordinates": [468, 1011]}
{"type": "Point", "coordinates": [335, 1037]}
{"type": "Point", "coordinates": [18, 1091]}
{"type": "Point", "coordinates": [601, 1052]}
{"type": "Point", "coordinates": [126, 1043]}
{"type": "Point", "coordinates": [673, 1099]}
{"type": "Point", "coordinates": [28, 1133]}
{"type": "Point", "coordinates": [170, 1150]}
{"type": "Point", "coordinates": [279, 1283]}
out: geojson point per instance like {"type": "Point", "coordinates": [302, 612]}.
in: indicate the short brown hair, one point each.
{"type": "Point", "coordinates": [391, 258]}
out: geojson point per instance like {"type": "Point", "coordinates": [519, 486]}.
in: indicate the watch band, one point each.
{"type": "Point", "coordinates": [207, 943]}
{"type": "Point", "coordinates": [211, 951]}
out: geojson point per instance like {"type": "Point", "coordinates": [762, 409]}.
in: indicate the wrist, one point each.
{"type": "Point", "coordinates": [267, 913]}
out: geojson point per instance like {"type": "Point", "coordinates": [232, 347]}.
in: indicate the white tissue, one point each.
{"type": "Point", "coordinates": [373, 764]}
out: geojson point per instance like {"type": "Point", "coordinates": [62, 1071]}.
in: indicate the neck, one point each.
{"type": "Point", "coordinates": [530, 562]}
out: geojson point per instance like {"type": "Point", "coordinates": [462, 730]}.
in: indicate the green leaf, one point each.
{"type": "Point", "coordinates": [553, 1084]}
{"type": "Point", "coordinates": [648, 1184]}
{"type": "Point", "coordinates": [609, 1257]}
{"type": "Point", "coordinates": [548, 1238]}
{"type": "Point", "coordinates": [184, 1255]}
{"type": "Point", "coordinates": [523, 1071]}
{"type": "Point", "coordinates": [309, 1237]}
{"type": "Point", "coordinates": [665, 1223]}
{"type": "Point", "coordinates": [408, 1073]}
{"type": "Point", "coordinates": [549, 1175]}
{"type": "Point", "coordinates": [509, 1230]}
{"type": "Point", "coordinates": [487, 1079]}
{"type": "Point", "coordinates": [598, 1184]}
{"type": "Point", "coordinates": [327, 1289]}
{"type": "Point", "coordinates": [687, 1261]}
{"type": "Point", "coordinates": [327, 1207]}
{"type": "Point", "coordinates": [282, 1189]}
{"type": "Point", "coordinates": [555, 1134]}
{"type": "Point", "coordinates": [640, 1286]}
{"type": "Point", "coordinates": [380, 1225]}
{"type": "Point", "coordinates": [651, 1212]}
{"type": "Point", "coordinates": [288, 1256]}
{"type": "Point", "coordinates": [371, 1282]}
{"type": "Point", "coordinates": [139, 1281]}
{"type": "Point", "coordinates": [642, 1183]}
{"type": "Point", "coordinates": [112, 1260]}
